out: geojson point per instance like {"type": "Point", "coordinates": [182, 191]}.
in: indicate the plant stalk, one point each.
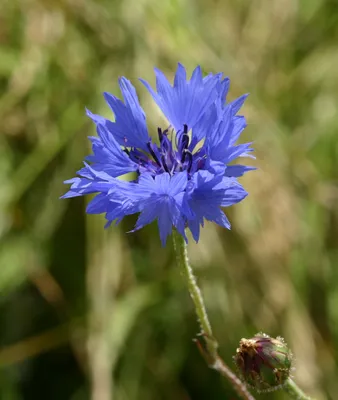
{"type": "Point", "coordinates": [211, 352]}
{"type": "Point", "coordinates": [294, 391]}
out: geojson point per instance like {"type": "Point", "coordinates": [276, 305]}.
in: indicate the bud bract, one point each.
{"type": "Point", "coordinates": [263, 362]}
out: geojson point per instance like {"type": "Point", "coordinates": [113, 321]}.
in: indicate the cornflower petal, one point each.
{"type": "Point", "coordinates": [207, 194]}
{"type": "Point", "coordinates": [108, 155]}
{"type": "Point", "coordinates": [129, 128]}
{"type": "Point", "coordinates": [237, 104]}
{"type": "Point", "coordinates": [186, 101]}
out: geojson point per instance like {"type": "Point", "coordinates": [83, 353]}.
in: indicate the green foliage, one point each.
{"type": "Point", "coordinates": [68, 286]}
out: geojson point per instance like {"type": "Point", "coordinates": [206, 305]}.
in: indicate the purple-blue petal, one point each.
{"type": "Point", "coordinates": [186, 101]}
{"type": "Point", "coordinates": [129, 128]}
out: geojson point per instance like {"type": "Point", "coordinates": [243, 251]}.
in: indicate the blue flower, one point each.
{"type": "Point", "coordinates": [183, 178]}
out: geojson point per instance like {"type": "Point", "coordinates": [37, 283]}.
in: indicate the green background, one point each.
{"type": "Point", "coordinates": [79, 303]}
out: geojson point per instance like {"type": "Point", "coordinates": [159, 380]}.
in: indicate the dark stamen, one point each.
{"type": "Point", "coordinates": [185, 141]}
{"type": "Point", "coordinates": [184, 144]}
{"type": "Point", "coordinates": [153, 154]}
{"type": "Point", "coordinates": [160, 134]}
{"type": "Point", "coordinates": [188, 155]}
{"type": "Point", "coordinates": [184, 155]}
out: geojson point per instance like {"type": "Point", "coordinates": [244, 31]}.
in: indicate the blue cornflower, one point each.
{"type": "Point", "coordinates": [185, 176]}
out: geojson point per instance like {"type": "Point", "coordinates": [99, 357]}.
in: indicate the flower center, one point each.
{"type": "Point", "coordinates": [171, 155]}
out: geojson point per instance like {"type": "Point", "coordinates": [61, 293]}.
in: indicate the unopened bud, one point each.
{"type": "Point", "coordinates": [264, 362]}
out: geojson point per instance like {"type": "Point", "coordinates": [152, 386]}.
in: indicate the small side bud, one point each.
{"type": "Point", "coordinates": [264, 363]}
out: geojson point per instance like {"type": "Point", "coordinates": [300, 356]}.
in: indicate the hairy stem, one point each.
{"type": "Point", "coordinates": [294, 391]}
{"type": "Point", "coordinates": [211, 352]}
{"type": "Point", "coordinates": [100, 291]}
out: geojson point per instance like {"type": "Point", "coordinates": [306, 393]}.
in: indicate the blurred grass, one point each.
{"type": "Point", "coordinates": [275, 271]}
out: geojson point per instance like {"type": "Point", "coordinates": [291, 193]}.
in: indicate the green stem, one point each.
{"type": "Point", "coordinates": [211, 353]}
{"type": "Point", "coordinates": [195, 292]}
{"type": "Point", "coordinates": [100, 289]}
{"type": "Point", "coordinates": [294, 391]}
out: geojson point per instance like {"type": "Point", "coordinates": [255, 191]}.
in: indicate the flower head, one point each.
{"type": "Point", "coordinates": [264, 363]}
{"type": "Point", "coordinates": [182, 178]}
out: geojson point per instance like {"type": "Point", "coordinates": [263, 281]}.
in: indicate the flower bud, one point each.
{"type": "Point", "coordinates": [263, 362]}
